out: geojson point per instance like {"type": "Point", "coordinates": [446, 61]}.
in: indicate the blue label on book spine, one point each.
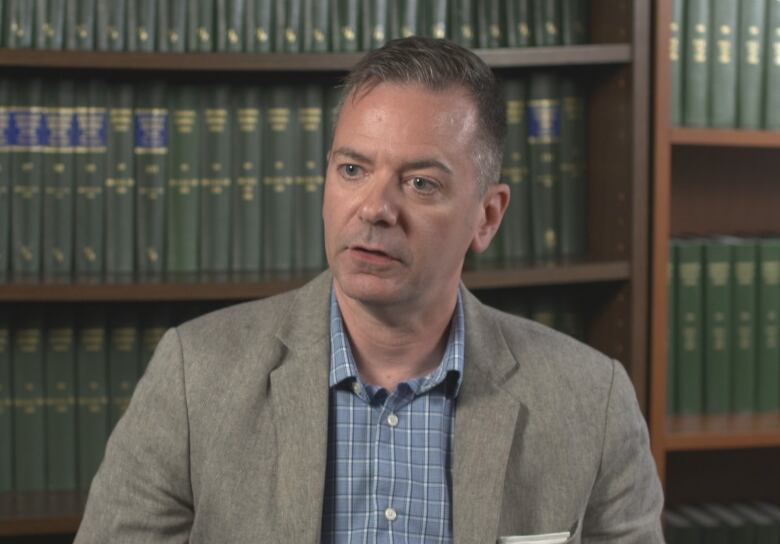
{"type": "Point", "coordinates": [544, 121]}
{"type": "Point", "coordinates": [150, 128]}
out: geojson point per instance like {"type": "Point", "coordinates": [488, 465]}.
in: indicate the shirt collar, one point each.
{"type": "Point", "coordinates": [343, 366]}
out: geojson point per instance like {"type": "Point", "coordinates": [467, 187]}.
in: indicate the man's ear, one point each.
{"type": "Point", "coordinates": [493, 206]}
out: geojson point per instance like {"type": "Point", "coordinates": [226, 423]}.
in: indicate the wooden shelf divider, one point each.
{"type": "Point", "coordinates": [724, 137]}
{"type": "Point", "coordinates": [727, 431]}
{"type": "Point", "coordinates": [40, 512]}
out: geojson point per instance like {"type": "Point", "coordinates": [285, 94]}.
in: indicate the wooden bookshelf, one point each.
{"type": "Point", "coordinates": [706, 181]}
{"type": "Point", "coordinates": [38, 513]}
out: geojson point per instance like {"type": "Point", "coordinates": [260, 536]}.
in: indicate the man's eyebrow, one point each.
{"type": "Point", "coordinates": [351, 154]}
{"type": "Point", "coordinates": [427, 163]}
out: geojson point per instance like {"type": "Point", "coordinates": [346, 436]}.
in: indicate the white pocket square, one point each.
{"type": "Point", "coordinates": [549, 538]}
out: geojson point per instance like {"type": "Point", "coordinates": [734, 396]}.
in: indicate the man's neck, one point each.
{"type": "Point", "coordinates": [395, 345]}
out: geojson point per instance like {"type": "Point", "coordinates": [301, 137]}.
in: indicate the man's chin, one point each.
{"type": "Point", "coordinates": [370, 289]}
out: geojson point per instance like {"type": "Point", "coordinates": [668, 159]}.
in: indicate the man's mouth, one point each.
{"type": "Point", "coordinates": [371, 253]}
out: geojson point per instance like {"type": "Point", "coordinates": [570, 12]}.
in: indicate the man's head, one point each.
{"type": "Point", "coordinates": [403, 200]}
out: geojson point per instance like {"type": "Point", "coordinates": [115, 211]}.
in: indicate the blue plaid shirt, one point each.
{"type": "Point", "coordinates": [389, 474]}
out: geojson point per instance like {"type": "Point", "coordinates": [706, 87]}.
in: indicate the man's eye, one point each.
{"type": "Point", "coordinates": [350, 170]}
{"type": "Point", "coordinates": [422, 185]}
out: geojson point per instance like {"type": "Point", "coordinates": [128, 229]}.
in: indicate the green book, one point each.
{"type": "Point", "coordinates": [172, 26]}
{"type": "Point", "coordinates": [768, 333]}
{"type": "Point", "coordinates": [514, 172]}
{"type": "Point", "coordinates": [671, 340]}
{"type": "Point", "coordinates": [771, 510]}
{"type": "Point", "coordinates": [120, 189]}
{"type": "Point", "coordinates": [280, 145]}
{"type": "Point", "coordinates": [262, 38]}
{"type": "Point", "coordinates": [289, 26]}
{"type": "Point", "coordinates": [124, 353]}
{"type": "Point", "coordinates": [308, 235]}
{"type": "Point", "coordinates": [717, 326]}
{"type": "Point", "coordinates": [90, 166]}
{"type": "Point", "coordinates": [154, 322]}
{"type": "Point", "coordinates": [518, 23]}
{"type": "Point", "coordinates": [332, 97]}
{"type": "Point", "coordinates": [680, 530]}
{"type": "Point", "coordinates": [711, 530]}
{"type": "Point", "coordinates": [378, 18]}
{"type": "Point", "coordinates": [545, 22]}
{"type": "Point", "coordinates": [737, 526]}
{"type": "Point", "coordinates": [676, 37]}
{"type": "Point", "coordinates": [436, 19]}
{"type": "Point", "coordinates": [26, 124]}
{"type": "Point", "coordinates": [573, 178]}
{"type": "Point", "coordinates": [772, 67]}
{"type": "Point", "coordinates": [723, 64]}
{"type": "Point", "coordinates": [346, 19]}
{"type": "Point", "coordinates": [91, 393]}
{"type": "Point", "coordinates": [29, 416]}
{"type": "Point", "coordinates": [316, 25]}
{"type": "Point", "coordinates": [6, 142]}
{"type": "Point", "coordinates": [58, 180]}
{"type": "Point", "coordinates": [150, 151]}
{"type": "Point", "coordinates": [111, 24]}
{"type": "Point", "coordinates": [463, 27]}
{"type": "Point", "coordinates": [697, 74]}
{"type": "Point", "coordinates": [230, 25]}
{"type": "Point", "coordinates": [544, 133]}
{"type": "Point", "coordinates": [570, 319]}
{"type": "Point", "coordinates": [765, 529]}
{"type": "Point", "coordinates": [544, 311]}
{"type": "Point", "coordinates": [60, 398]}
{"type": "Point", "coordinates": [6, 403]}
{"type": "Point", "coordinates": [184, 180]}
{"type": "Point", "coordinates": [200, 25]}
{"type": "Point", "coordinates": [49, 24]}
{"type": "Point", "coordinates": [752, 19]}
{"type": "Point", "coordinates": [490, 20]}
{"type": "Point", "coordinates": [246, 162]}
{"type": "Point", "coordinates": [215, 212]}
{"type": "Point", "coordinates": [744, 353]}
{"type": "Point", "coordinates": [574, 21]}
{"type": "Point", "coordinates": [144, 29]}
{"type": "Point", "coordinates": [690, 294]}
{"type": "Point", "coordinates": [80, 25]}
{"type": "Point", "coordinates": [19, 24]}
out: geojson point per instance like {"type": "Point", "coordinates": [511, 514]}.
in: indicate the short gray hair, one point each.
{"type": "Point", "coordinates": [439, 65]}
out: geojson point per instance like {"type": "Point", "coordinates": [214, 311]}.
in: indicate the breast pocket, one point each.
{"type": "Point", "coordinates": [572, 536]}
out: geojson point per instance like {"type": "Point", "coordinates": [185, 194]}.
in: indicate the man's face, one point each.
{"type": "Point", "coordinates": [401, 203]}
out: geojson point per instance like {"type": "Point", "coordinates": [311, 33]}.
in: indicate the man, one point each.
{"type": "Point", "coordinates": [382, 402]}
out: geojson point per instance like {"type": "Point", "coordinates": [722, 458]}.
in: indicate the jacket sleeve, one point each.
{"type": "Point", "coordinates": [626, 501]}
{"type": "Point", "coordinates": [142, 490]}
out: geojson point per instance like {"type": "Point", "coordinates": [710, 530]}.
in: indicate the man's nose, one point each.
{"type": "Point", "coordinates": [380, 204]}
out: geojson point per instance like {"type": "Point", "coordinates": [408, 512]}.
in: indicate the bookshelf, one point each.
{"type": "Point", "coordinates": [614, 275]}
{"type": "Point", "coordinates": [705, 181]}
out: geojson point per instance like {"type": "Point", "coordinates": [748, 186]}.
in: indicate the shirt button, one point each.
{"type": "Point", "coordinates": [356, 388]}
{"type": "Point", "coordinates": [391, 514]}
{"type": "Point", "coordinates": [392, 420]}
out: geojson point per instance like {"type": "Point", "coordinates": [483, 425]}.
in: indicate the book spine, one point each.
{"type": "Point", "coordinates": [58, 177]}
{"type": "Point", "coordinates": [573, 178]}
{"type": "Point", "coordinates": [377, 30]}
{"type": "Point", "coordinates": [574, 17]}
{"type": "Point", "coordinates": [410, 17]}
{"type": "Point", "coordinates": [184, 181]}
{"type": "Point", "coordinates": [111, 25]}
{"type": "Point", "coordinates": [316, 27]}
{"type": "Point", "coordinates": [90, 166]}
{"type": "Point", "coordinates": [230, 25]}
{"type": "Point", "coordinates": [278, 177]}
{"type": "Point", "coordinates": [120, 190]}
{"type": "Point", "coordinates": [124, 352]}
{"type": "Point", "coordinates": [131, 23]}
{"type": "Point", "coordinates": [743, 372]}
{"type": "Point", "coordinates": [751, 37]}
{"type": "Point", "coordinates": [544, 131]}
{"type": "Point", "coordinates": [696, 86]}
{"type": "Point", "coordinates": [216, 182]}
{"type": "Point", "coordinates": [436, 19]}
{"type": "Point", "coordinates": [690, 293]}
{"type": "Point", "coordinates": [517, 220]}
{"type": "Point", "coordinates": [330, 109]}
{"type": "Point", "coordinates": [92, 394]}
{"type": "Point", "coordinates": [293, 26]}
{"type": "Point", "coordinates": [768, 394]}
{"type": "Point", "coordinates": [518, 23]}
{"type": "Point", "coordinates": [146, 24]}
{"type": "Point", "coordinates": [49, 24]}
{"type": "Point", "coordinates": [247, 206]}
{"type": "Point", "coordinates": [717, 327]}
{"type": "Point", "coordinates": [676, 37]}
{"type": "Point", "coordinates": [60, 365]}
{"type": "Point", "coordinates": [490, 21]}
{"type": "Point", "coordinates": [20, 23]}
{"type": "Point", "coordinates": [175, 31]}
{"type": "Point", "coordinates": [29, 136]}
{"type": "Point", "coordinates": [723, 64]}
{"type": "Point", "coordinates": [5, 177]}
{"type": "Point", "coordinates": [29, 417]}
{"type": "Point", "coordinates": [348, 18]}
{"type": "Point", "coordinates": [672, 328]}
{"type": "Point", "coordinates": [262, 38]}
{"type": "Point", "coordinates": [308, 238]}
{"type": "Point", "coordinates": [462, 24]}
{"type": "Point", "coordinates": [546, 22]}
{"type": "Point", "coordinates": [150, 126]}
{"type": "Point", "coordinates": [201, 28]}
{"type": "Point", "coordinates": [6, 403]}
{"type": "Point", "coordinates": [153, 325]}
{"type": "Point", "coordinates": [772, 67]}
{"type": "Point", "coordinates": [162, 24]}
{"type": "Point", "coordinates": [81, 35]}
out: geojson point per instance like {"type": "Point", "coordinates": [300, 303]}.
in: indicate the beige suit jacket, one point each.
{"type": "Point", "coordinates": [225, 437]}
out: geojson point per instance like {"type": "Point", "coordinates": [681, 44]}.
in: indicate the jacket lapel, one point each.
{"type": "Point", "coordinates": [299, 392]}
{"type": "Point", "coordinates": [486, 418]}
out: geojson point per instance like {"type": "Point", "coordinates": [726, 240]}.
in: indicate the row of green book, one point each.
{"type": "Point", "coordinates": [288, 26]}
{"type": "Point", "coordinates": [114, 179]}
{"type": "Point", "coordinates": [724, 325]}
{"type": "Point", "coordinates": [755, 522]}
{"type": "Point", "coordinates": [66, 377]}
{"type": "Point", "coordinates": [725, 63]}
